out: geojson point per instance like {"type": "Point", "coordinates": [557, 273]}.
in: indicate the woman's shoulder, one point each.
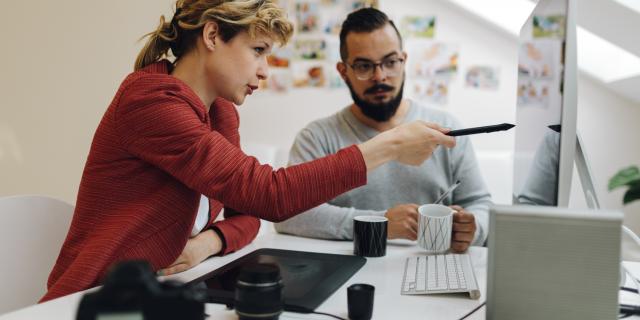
{"type": "Point", "coordinates": [154, 84]}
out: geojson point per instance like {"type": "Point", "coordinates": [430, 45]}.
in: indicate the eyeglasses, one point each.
{"type": "Point", "coordinates": [365, 70]}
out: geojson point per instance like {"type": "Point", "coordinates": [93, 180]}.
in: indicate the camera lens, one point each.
{"type": "Point", "coordinates": [259, 292]}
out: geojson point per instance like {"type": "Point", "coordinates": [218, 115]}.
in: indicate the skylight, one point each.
{"type": "Point", "coordinates": [506, 14]}
{"type": "Point", "coordinates": [603, 59]}
{"type": "Point", "coordinates": [631, 4]}
{"type": "Point", "coordinates": [596, 56]}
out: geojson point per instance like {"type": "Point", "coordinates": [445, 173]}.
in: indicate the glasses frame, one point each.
{"type": "Point", "coordinates": [375, 66]}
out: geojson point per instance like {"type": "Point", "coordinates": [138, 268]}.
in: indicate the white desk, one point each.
{"type": "Point", "coordinates": [384, 273]}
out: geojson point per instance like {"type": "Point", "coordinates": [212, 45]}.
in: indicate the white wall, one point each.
{"type": "Point", "coordinates": [62, 62]}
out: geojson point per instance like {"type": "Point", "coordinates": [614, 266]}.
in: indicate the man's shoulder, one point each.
{"type": "Point", "coordinates": [326, 124]}
{"type": "Point", "coordinates": [432, 114]}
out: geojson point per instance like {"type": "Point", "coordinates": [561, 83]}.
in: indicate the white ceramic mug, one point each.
{"type": "Point", "coordinates": [434, 227]}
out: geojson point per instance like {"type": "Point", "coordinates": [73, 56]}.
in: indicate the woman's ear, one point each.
{"type": "Point", "coordinates": [209, 34]}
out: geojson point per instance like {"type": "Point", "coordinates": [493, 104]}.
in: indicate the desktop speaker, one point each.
{"type": "Point", "coordinates": [553, 263]}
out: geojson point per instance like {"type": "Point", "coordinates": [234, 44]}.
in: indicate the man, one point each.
{"type": "Point", "coordinates": [373, 68]}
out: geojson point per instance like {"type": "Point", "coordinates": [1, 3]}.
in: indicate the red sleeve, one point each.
{"type": "Point", "coordinates": [163, 129]}
{"type": "Point", "coordinates": [238, 230]}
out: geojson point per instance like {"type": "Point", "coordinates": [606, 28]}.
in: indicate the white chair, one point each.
{"type": "Point", "coordinates": [32, 230]}
{"type": "Point", "coordinates": [499, 181]}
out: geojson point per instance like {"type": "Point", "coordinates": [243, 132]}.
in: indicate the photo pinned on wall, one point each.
{"type": "Point", "coordinates": [533, 93]}
{"type": "Point", "coordinates": [287, 5]}
{"type": "Point", "coordinates": [552, 26]}
{"type": "Point", "coordinates": [483, 77]}
{"type": "Point", "coordinates": [335, 80]}
{"type": "Point", "coordinates": [280, 80]}
{"type": "Point", "coordinates": [311, 49]}
{"type": "Point", "coordinates": [280, 57]}
{"type": "Point", "coordinates": [537, 60]}
{"type": "Point", "coordinates": [432, 91]}
{"type": "Point", "coordinates": [332, 23]}
{"type": "Point", "coordinates": [307, 15]}
{"type": "Point", "coordinates": [309, 76]}
{"type": "Point", "coordinates": [435, 60]}
{"type": "Point", "coordinates": [419, 27]}
{"type": "Point", "coordinates": [353, 5]}
{"type": "Point", "coordinates": [332, 16]}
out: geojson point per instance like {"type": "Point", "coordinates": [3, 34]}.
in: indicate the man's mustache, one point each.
{"type": "Point", "coordinates": [379, 87]}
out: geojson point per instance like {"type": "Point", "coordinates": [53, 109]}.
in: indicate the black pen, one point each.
{"type": "Point", "coordinates": [487, 129]}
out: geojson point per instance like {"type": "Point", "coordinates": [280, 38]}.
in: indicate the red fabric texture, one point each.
{"type": "Point", "coordinates": [155, 151]}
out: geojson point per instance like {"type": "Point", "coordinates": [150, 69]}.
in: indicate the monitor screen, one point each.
{"type": "Point", "coordinates": [546, 108]}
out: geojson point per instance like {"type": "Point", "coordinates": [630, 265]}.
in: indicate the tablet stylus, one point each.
{"type": "Point", "coordinates": [486, 129]}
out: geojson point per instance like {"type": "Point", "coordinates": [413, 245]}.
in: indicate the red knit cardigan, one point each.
{"type": "Point", "coordinates": [155, 151]}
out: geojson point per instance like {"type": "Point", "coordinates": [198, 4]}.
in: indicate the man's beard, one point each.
{"type": "Point", "coordinates": [379, 112]}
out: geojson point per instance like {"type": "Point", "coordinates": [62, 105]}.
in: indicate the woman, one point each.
{"type": "Point", "coordinates": [171, 135]}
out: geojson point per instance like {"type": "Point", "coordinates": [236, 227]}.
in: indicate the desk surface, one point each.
{"type": "Point", "coordinates": [384, 273]}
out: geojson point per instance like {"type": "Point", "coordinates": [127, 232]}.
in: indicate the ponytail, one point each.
{"type": "Point", "coordinates": [158, 44]}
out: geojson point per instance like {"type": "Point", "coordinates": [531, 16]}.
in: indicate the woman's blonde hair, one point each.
{"type": "Point", "coordinates": [257, 17]}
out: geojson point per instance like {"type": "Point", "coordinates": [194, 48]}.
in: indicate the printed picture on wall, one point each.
{"type": "Point", "coordinates": [280, 57]}
{"type": "Point", "coordinates": [280, 80]}
{"type": "Point", "coordinates": [419, 27]}
{"type": "Point", "coordinates": [432, 91]}
{"type": "Point", "coordinates": [482, 77]}
{"type": "Point", "coordinates": [353, 5]}
{"type": "Point", "coordinates": [335, 80]}
{"type": "Point", "coordinates": [307, 16]}
{"type": "Point", "coordinates": [533, 93]}
{"type": "Point", "coordinates": [309, 75]}
{"type": "Point", "coordinates": [332, 18]}
{"type": "Point", "coordinates": [285, 4]}
{"type": "Point", "coordinates": [549, 26]}
{"type": "Point", "coordinates": [311, 49]}
{"type": "Point", "coordinates": [536, 59]}
{"type": "Point", "coordinates": [434, 60]}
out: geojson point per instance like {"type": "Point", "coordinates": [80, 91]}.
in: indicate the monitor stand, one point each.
{"type": "Point", "coordinates": [585, 174]}
{"type": "Point", "coordinates": [590, 195]}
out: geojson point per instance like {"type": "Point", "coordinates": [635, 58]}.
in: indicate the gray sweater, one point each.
{"type": "Point", "coordinates": [390, 184]}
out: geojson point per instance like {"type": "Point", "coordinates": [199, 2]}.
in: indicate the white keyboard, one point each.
{"type": "Point", "coordinates": [443, 273]}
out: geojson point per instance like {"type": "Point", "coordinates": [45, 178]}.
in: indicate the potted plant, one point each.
{"type": "Point", "coordinates": [628, 177]}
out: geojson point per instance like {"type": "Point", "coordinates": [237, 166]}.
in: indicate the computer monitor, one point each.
{"type": "Point", "coordinates": [545, 138]}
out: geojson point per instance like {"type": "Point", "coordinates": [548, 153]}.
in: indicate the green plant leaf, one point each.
{"type": "Point", "coordinates": [633, 193]}
{"type": "Point", "coordinates": [624, 177]}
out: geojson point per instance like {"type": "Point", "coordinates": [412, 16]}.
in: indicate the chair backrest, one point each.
{"type": "Point", "coordinates": [32, 230]}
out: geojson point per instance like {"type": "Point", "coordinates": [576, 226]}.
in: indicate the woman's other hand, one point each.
{"type": "Point", "coordinates": [197, 249]}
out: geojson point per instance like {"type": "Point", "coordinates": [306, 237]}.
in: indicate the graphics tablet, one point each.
{"type": "Point", "coordinates": [309, 278]}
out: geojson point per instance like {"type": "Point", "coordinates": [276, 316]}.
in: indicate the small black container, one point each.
{"type": "Point", "coordinates": [258, 292]}
{"type": "Point", "coordinates": [360, 301]}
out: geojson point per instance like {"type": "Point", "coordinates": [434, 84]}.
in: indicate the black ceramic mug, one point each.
{"type": "Point", "coordinates": [370, 236]}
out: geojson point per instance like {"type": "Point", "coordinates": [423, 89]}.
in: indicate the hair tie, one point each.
{"type": "Point", "coordinates": [174, 20]}
{"type": "Point", "coordinates": [175, 44]}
